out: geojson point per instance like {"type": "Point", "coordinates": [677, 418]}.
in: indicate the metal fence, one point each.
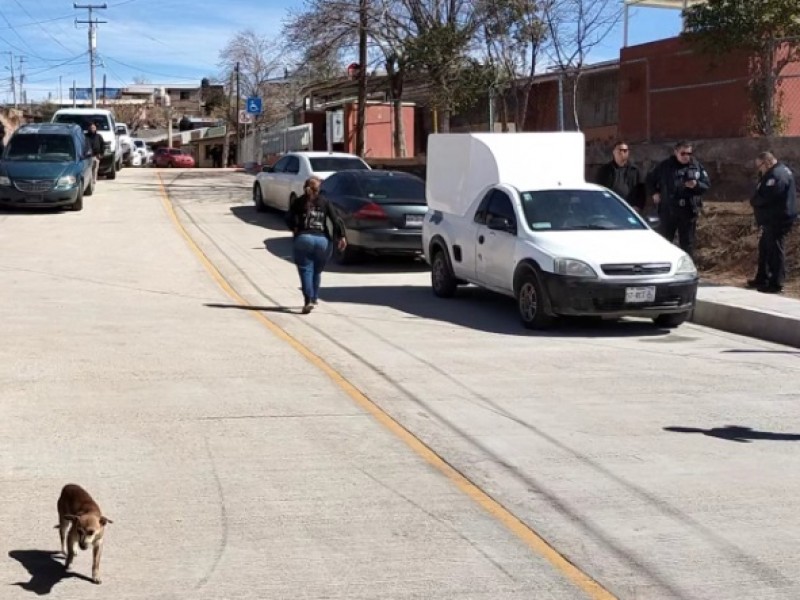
{"type": "Point", "coordinates": [783, 100]}
{"type": "Point", "coordinates": [290, 139]}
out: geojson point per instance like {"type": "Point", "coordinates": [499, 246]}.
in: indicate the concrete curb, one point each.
{"type": "Point", "coordinates": [748, 321]}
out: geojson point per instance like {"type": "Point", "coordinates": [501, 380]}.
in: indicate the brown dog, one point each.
{"type": "Point", "coordinates": [77, 508]}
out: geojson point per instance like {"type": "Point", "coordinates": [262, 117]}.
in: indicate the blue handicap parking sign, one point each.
{"type": "Point", "coordinates": [254, 105]}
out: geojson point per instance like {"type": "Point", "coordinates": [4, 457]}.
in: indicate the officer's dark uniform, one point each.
{"type": "Point", "coordinates": [627, 182]}
{"type": "Point", "coordinates": [96, 144]}
{"type": "Point", "coordinates": [679, 205]}
{"type": "Point", "coordinates": [775, 209]}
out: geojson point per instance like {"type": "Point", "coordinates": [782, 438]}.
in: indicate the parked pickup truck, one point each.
{"type": "Point", "coordinates": [512, 212]}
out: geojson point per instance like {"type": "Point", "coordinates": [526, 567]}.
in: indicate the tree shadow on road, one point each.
{"type": "Point", "coordinates": [45, 570]}
{"type": "Point", "coordinates": [737, 433]}
{"type": "Point", "coordinates": [759, 351]}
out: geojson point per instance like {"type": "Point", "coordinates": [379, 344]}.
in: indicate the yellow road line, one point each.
{"type": "Point", "coordinates": [533, 540]}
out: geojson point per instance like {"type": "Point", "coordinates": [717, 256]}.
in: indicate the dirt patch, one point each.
{"type": "Point", "coordinates": [727, 246]}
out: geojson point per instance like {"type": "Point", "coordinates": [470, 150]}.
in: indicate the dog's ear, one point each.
{"type": "Point", "coordinates": [104, 521]}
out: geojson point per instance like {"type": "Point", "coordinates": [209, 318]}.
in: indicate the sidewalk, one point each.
{"type": "Point", "coordinates": [763, 316]}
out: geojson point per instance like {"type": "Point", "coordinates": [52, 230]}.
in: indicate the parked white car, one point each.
{"type": "Point", "coordinates": [144, 151]}
{"type": "Point", "coordinates": [512, 212]}
{"type": "Point", "coordinates": [126, 143]}
{"type": "Point", "coordinates": [278, 185]}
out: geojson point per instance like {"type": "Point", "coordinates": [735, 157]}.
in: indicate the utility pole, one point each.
{"type": "Point", "coordinates": [361, 116]}
{"type": "Point", "coordinates": [22, 98]}
{"type": "Point", "coordinates": [238, 98]}
{"type": "Point", "coordinates": [104, 90]}
{"type": "Point", "coordinates": [92, 40]}
{"type": "Point", "coordinates": [13, 78]}
{"type": "Point", "coordinates": [60, 92]}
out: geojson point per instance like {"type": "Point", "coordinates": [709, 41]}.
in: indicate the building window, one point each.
{"type": "Point", "coordinates": [186, 95]}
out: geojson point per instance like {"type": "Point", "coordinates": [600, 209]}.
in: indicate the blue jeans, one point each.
{"type": "Point", "coordinates": [311, 252]}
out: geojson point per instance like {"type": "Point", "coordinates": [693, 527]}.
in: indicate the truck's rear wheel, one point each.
{"type": "Point", "coordinates": [443, 281]}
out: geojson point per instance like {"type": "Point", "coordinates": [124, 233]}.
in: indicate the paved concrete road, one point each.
{"type": "Point", "coordinates": [231, 466]}
{"type": "Point", "coordinates": [662, 464]}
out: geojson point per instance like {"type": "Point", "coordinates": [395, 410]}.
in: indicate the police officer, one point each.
{"type": "Point", "coordinates": [775, 210]}
{"type": "Point", "coordinates": [623, 177]}
{"type": "Point", "coordinates": [676, 186]}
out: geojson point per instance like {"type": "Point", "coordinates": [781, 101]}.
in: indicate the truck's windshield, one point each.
{"type": "Point", "coordinates": [84, 120]}
{"type": "Point", "coordinates": [577, 210]}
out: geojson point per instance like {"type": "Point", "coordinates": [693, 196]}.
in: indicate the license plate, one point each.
{"type": "Point", "coordinates": [640, 295]}
{"type": "Point", "coordinates": [414, 220]}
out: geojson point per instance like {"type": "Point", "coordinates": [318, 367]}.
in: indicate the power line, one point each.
{"type": "Point", "coordinates": [50, 35]}
{"type": "Point", "coordinates": [34, 23]}
{"type": "Point", "coordinates": [119, 62]}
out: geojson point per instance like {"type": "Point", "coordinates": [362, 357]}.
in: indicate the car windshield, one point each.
{"type": "Point", "coordinates": [175, 151]}
{"type": "Point", "coordinates": [577, 210]}
{"type": "Point", "coordinates": [336, 163]}
{"type": "Point", "coordinates": [43, 148]}
{"type": "Point", "coordinates": [84, 121]}
{"type": "Point", "coordinates": [388, 188]}
{"type": "Point", "coordinates": [138, 143]}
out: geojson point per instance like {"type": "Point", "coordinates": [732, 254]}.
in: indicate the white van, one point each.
{"type": "Point", "coordinates": [111, 161]}
{"type": "Point", "coordinates": [512, 212]}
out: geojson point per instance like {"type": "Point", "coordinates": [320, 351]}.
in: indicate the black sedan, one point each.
{"type": "Point", "coordinates": [381, 212]}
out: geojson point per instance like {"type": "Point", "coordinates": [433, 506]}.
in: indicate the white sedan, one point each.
{"type": "Point", "coordinates": [278, 185]}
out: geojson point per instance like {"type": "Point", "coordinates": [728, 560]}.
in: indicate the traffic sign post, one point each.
{"type": "Point", "coordinates": [253, 105]}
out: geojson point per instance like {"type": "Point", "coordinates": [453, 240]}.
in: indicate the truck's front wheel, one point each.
{"type": "Point", "coordinates": [531, 302]}
{"type": "Point", "coordinates": [443, 281]}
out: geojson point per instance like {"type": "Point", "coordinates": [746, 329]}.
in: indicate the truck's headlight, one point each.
{"type": "Point", "coordinates": [686, 267]}
{"type": "Point", "coordinates": [574, 268]}
{"type": "Point", "coordinates": [4, 180]}
{"type": "Point", "coordinates": [66, 182]}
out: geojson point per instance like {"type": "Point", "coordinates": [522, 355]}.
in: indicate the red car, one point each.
{"type": "Point", "coordinates": [173, 157]}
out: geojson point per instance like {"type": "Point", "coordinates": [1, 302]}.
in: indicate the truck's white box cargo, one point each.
{"type": "Point", "coordinates": [462, 165]}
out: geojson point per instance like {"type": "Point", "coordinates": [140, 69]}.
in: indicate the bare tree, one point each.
{"type": "Point", "coordinates": [514, 34]}
{"type": "Point", "coordinates": [328, 29]}
{"type": "Point", "coordinates": [440, 35]}
{"type": "Point", "coordinates": [576, 28]}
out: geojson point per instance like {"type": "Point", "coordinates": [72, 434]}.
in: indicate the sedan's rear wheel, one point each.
{"type": "Point", "coordinates": [347, 256]}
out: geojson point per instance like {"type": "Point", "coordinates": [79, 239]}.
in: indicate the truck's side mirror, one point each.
{"type": "Point", "coordinates": [502, 224]}
{"type": "Point", "coordinates": [266, 169]}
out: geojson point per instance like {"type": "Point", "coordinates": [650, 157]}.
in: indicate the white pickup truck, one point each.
{"type": "Point", "coordinates": [512, 212]}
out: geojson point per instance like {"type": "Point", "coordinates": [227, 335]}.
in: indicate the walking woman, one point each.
{"type": "Point", "coordinates": [308, 219]}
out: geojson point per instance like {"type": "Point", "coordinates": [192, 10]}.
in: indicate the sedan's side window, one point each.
{"type": "Point", "coordinates": [480, 214]}
{"type": "Point", "coordinates": [280, 166]}
{"type": "Point", "coordinates": [293, 165]}
{"type": "Point", "coordinates": [500, 207]}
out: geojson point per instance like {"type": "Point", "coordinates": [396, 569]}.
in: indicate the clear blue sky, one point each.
{"type": "Point", "coordinates": [172, 41]}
